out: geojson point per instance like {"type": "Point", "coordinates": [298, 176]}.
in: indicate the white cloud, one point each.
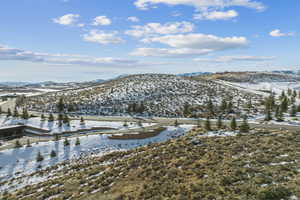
{"type": "Point", "coordinates": [202, 4]}
{"type": "Point", "coordinates": [69, 19]}
{"type": "Point", "coordinates": [236, 58]}
{"type": "Point", "coordinates": [216, 15]}
{"type": "Point", "coordinates": [200, 41]}
{"type": "Point", "coordinates": [190, 45]}
{"type": "Point", "coordinates": [152, 29]}
{"type": "Point", "coordinates": [278, 33]}
{"type": "Point", "coordinates": [101, 21]}
{"type": "Point", "coordinates": [102, 37]}
{"type": "Point", "coordinates": [133, 19]}
{"type": "Point", "coordinates": [168, 52]}
{"type": "Point", "coordinates": [15, 54]}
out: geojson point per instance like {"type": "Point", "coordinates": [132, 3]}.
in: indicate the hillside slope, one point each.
{"type": "Point", "coordinates": [258, 166]}
{"type": "Point", "coordinates": [258, 82]}
{"type": "Point", "coordinates": [254, 77]}
{"type": "Point", "coordinates": [148, 95]}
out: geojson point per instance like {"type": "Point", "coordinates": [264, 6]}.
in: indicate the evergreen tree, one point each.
{"type": "Point", "coordinates": [66, 142]}
{"type": "Point", "coordinates": [60, 117]}
{"type": "Point", "coordinates": [16, 113]}
{"type": "Point", "coordinates": [56, 137]}
{"type": "Point", "coordinates": [223, 106]}
{"type": "Point", "coordinates": [270, 103]}
{"type": "Point", "coordinates": [60, 105]}
{"type": "Point", "coordinates": [125, 124]}
{"type": "Point", "coordinates": [28, 143]}
{"type": "Point", "coordinates": [8, 112]}
{"type": "Point", "coordinates": [51, 118]}
{"type": "Point", "coordinates": [230, 107]}
{"type": "Point", "coordinates": [82, 120]}
{"type": "Point", "coordinates": [284, 104]}
{"type": "Point", "coordinates": [199, 123]}
{"type": "Point", "coordinates": [141, 108]}
{"type": "Point", "coordinates": [244, 128]}
{"type": "Point", "coordinates": [292, 100]}
{"type": "Point", "coordinates": [294, 93]}
{"type": "Point", "coordinates": [186, 110]}
{"type": "Point", "coordinates": [18, 144]}
{"type": "Point", "coordinates": [43, 117]}
{"type": "Point", "coordinates": [134, 107]}
{"type": "Point", "coordinates": [39, 157]}
{"type": "Point", "coordinates": [279, 115]}
{"type": "Point", "coordinates": [277, 110]}
{"type": "Point", "coordinates": [233, 124]}
{"type": "Point", "coordinates": [249, 105]}
{"type": "Point", "coordinates": [77, 142]}
{"type": "Point", "coordinates": [207, 124]}
{"type": "Point", "coordinates": [53, 154]}
{"type": "Point", "coordinates": [219, 123]}
{"type": "Point", "coordinates": [293, 111]}
{"type": "Point", "coordinates": [176, 124]}
{"type": "Point", "coordinates": [210, 107]}
{"type": "Point", "coordinates": [298, 108]}
{"type": "Point", "coordinates": [289, 92]}
{"type": "Point", "coordinates": [268, 116]}
{"type": "Point", "coordinates": [25, 114]}
{"type": "Point", "coordinates": [66, 119]}
{"type": "Point", "coordinates": [139, 123]}
{"type": "Point", "coordinates": [282, 96]}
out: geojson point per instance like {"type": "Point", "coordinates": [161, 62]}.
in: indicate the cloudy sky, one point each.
{"type": "Point", "coordinates": [77, 40]}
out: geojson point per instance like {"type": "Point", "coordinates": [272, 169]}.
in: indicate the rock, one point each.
{"type": "Point", "coordinates": [196, 142]}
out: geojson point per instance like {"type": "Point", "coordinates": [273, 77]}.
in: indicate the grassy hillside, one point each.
{"type": "Point", "coordinates": [261, 165]}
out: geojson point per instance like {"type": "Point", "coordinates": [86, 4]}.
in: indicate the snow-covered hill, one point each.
{"type": "Point", "coordinates": [147, 94]}
{"type": "Point", "coordinates": [255, 77]}
{"type": "Point", "coordinates": [260, 81]}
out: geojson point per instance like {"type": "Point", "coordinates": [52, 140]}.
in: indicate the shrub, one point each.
{"type": "Point", "coordinates": [53, 154]}
{"type": "Point", "coordinates": [18, 144]}
{"type": "Point", "coordinates": [28, 143]}
{"type": "Point", "coordinates": [39, 157]}
{"type": "Point", "coordinates": [56, 137]}
{"type": "Point", "coordinates": [274, 193]}
{"type": "Point", "coordinates": [66, 142]}
{"type": "Point", "coordinates": [77, 142]}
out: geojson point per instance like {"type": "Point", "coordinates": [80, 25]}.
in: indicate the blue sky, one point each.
{"type": "Point", "coordinates": [77, 40]}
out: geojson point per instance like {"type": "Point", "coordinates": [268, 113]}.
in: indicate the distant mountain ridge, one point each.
{"type": "Point", "coordinates": [194, 74]}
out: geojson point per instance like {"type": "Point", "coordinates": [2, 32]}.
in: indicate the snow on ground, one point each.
{"type": "Point", "coordinates": [45, 89]}
{"type": "Point", "coordinates": [243, 87]}
{"type": "Point", "coordinates": [75, 125]}
{"type": "Point", "coordinates": [20, 161]}
{"type": "Point", "coordinates": [219, 133]}
{"type": "Point", "coordinates": [276, 87]}
{"type": "Point", "coordinates": [153, 95]}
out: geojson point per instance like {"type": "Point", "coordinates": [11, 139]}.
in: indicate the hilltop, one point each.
{"type": "Point", "coordinates": [147, 95]}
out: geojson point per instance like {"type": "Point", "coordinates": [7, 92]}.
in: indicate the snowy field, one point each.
{"type": "Point", "coordinates": [220, 133]}
{"type": "Point", "coordinates": [21, 161]}
{"type": "Point", "coordinates": [276, 87]}
{"type": "Point", "coordinates": [75, 125]}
